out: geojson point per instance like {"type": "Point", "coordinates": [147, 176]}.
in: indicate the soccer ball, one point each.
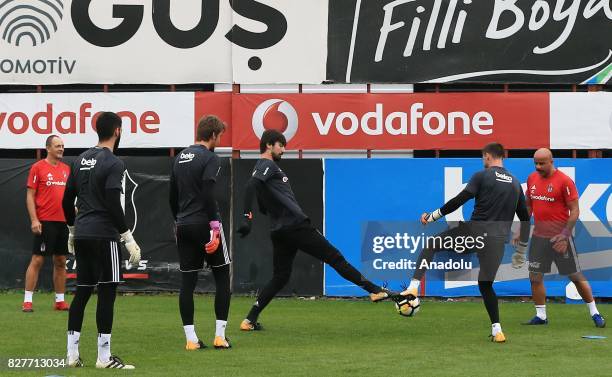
{"type": "Point", "coordinates": [408, 308]}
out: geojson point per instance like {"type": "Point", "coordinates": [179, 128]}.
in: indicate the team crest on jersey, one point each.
{"type": "Point", "coordinates": [549, 188]}
{"type": "Point", "coordinates": [285, 179]}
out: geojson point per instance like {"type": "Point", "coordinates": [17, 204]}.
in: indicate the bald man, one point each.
{"type": "Point", "coordinates": [45, 190]}
{"type": "Point", "coordinates": [553, 199]}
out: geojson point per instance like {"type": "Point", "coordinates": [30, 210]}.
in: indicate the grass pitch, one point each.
{"type": "Point", "coordinates": [315, 338]}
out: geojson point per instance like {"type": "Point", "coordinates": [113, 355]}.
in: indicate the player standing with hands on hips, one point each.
{"type": "Point", "coordinates": [96, 181]}
{"type": "Point", "coordinates": [553, 199]}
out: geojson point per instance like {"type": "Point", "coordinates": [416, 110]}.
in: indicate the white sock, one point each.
{"type": "Point", "coordinates": [59, 297]}
{"type": "Point", "coordinates": [220, 331]}
{"type": "Point", "coordinates": [190, 333]}
{"type": "Point", "coordinates": [541, 311]}
{"type": "Point", "coordinates": [414, 284]}
{"type": "Point", "coordinates": [495, 329]}
{"type": "Point", "coordinates": [28, 296]}
{"type": "Point", "coordinates": [592, 308]}
{"type": "Point", "coordinates": [104, 344]}
{"type": "Point", "coordinates": [73, 345]}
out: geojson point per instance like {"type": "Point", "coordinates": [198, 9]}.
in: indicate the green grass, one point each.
{"type": "Point", "coordinates": [316, 337]}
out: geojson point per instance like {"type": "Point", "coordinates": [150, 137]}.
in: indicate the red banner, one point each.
{"type": "Point", "coordinates": [219, 104]}
{"type": "Point", "coordinates": [393, 121]}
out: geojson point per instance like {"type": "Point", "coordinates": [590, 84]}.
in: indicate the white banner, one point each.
{"type": "Point", "coordinates": [581, 120]}
{"type": "Point", "coordinates": [162, 41]}
{"type": "Point", "coordinates": [150, 120]}
{"type": "Point", "coordinates": [297, 40]}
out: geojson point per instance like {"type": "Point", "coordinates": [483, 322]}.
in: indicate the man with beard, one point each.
{"type": "Point", "coordinates": [498, 195]}
{"type": "Point", "coordinates": [553, 199]}
{"type": "Point", "coordinates": [291, 229]}
{"type": "Point", "coordinates": [46, 184]}
{"type": "Point", "coordinates": [199, 233]}
{"type": "Point", "coordinates": [96, 181]}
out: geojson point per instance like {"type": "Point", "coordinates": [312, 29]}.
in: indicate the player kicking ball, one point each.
{"type": "Point", "coordinates": [553, 199]}
{"type": "Point", "coordinates": [290, 229]}
{"type": "Point", "coordinates": [498, 197]}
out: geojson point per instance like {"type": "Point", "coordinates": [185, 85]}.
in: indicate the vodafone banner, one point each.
{"type": "Point", "coordinates": [150, 120]}
{"type": "Point", "coordinates": [394, 121]}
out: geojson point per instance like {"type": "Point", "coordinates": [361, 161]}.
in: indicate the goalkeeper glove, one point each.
{"type": "Point", "coordinates": [430, 217]}
{"type": "Point", "coordinates": [518, 258]}
{"type": "Point", "coordinates": [71, 239]}
{"type": "Point", "coordinates": [131, 246]}
{"type": "Point", "coordinates": [245, 226]}
{"type": "Point", "coordinates": [215, 234]}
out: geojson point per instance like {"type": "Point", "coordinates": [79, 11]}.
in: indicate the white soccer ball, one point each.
{"type": "Point", "coordinates": [408, 308]}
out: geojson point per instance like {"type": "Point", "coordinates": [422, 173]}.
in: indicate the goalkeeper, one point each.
{"type": "Point", "coordinates": [96, 181]}
{"type": "Point", "coordinates": [291, 229]}
{"type": "Point", "coordinates": [199, 234]}
{"type": "Point", "coordinates": [498, 197]}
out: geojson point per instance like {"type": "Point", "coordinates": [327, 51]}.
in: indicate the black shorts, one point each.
{"type": "Point", "coordinates": [488, 249]}
{"type": "Point", "coordinates": [542, 254]}
{"type": "Point", "coordinates": [53, 240]}
{"type": "Point", "coordinates": [97, 262]}
{"type": "Point", "coordinates": [190, 240]}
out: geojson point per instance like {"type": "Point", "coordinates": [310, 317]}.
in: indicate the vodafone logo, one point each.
{"type": "Point", "coordinates": [275, 114]}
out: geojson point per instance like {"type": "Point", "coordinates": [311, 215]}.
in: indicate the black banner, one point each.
{"type": "Point", "coordinates": [493, 41]}
{"type": "Point", "coordinates": [253, 254]}
{"type": "Point", "coordinates": [147, 213]}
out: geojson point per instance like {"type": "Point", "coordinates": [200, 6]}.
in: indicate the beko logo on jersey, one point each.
{"type": "Point", "coordinates": [501, 177]}
{"type": "Point", "coordinates": [275, 114]}
{"type": "Point", "coordinates": [88, 164]}
{"type": "Point", "coordinates": [186, 157]}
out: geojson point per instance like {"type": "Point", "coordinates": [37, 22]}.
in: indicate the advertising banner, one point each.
{"type": "Point", "coordinates": [486, 41]}
{"type": "Point", "coordinates": [162, 41]}
{"type": "Point", "coordinates": [384, 237]}
{"type": "Point", "coordinates": [394, 121]}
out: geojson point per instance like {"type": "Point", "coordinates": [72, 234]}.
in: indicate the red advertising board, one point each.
{"type": "Point", "coordinates": [393, 121]}
{"type": "Point", "coordinates": [215, 103]}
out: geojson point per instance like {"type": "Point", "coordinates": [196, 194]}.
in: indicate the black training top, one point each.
{"type": "Point", "coordinates": [93, 174]}
{"type": "Point", "coordinates": [498, 197]}
{"type": "Point", "coordinates": [276, 196]}
{"type": "Point", "coordinates": [194, 172]}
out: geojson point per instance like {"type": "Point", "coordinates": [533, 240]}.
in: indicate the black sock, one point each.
{"type": "Point", "coordinates": [223, 291]}
{"type": "Point", "coordinates": [77, 308]}
{"type": "Point", "coordinates": [188, 284]}
{"type": "Point", "coordinates": [277, 283]}
{"type": "Point", "coordinates": [490, 300]}
{"type": "Point", "coordinates": [106, 304]}
{"type": "Point", "coordinates": [425, 255]}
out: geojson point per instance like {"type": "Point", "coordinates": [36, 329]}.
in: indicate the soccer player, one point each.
{"type": "Point", "coordinates": [96, 181]}
{"type": "Point", "coordinates": [291, 229]}
{"type": "Point", "coordinates": [498, 197]}
{"type": "Point", "coordinates": [46, 184]}
{"type": "Point", "coordinates": [553, 199]}
{"type": "Point", "coordinates": [199, 233]}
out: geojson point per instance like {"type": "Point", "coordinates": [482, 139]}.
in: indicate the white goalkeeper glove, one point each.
{"type": "Point", "coordinates": [430, 217]}
{"type": "Point", "coordinates": [132, 247]}
{"type": "Point", "coordinates": [71, 239]}
{"type": "Point", "coordinates": [518, 258]}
